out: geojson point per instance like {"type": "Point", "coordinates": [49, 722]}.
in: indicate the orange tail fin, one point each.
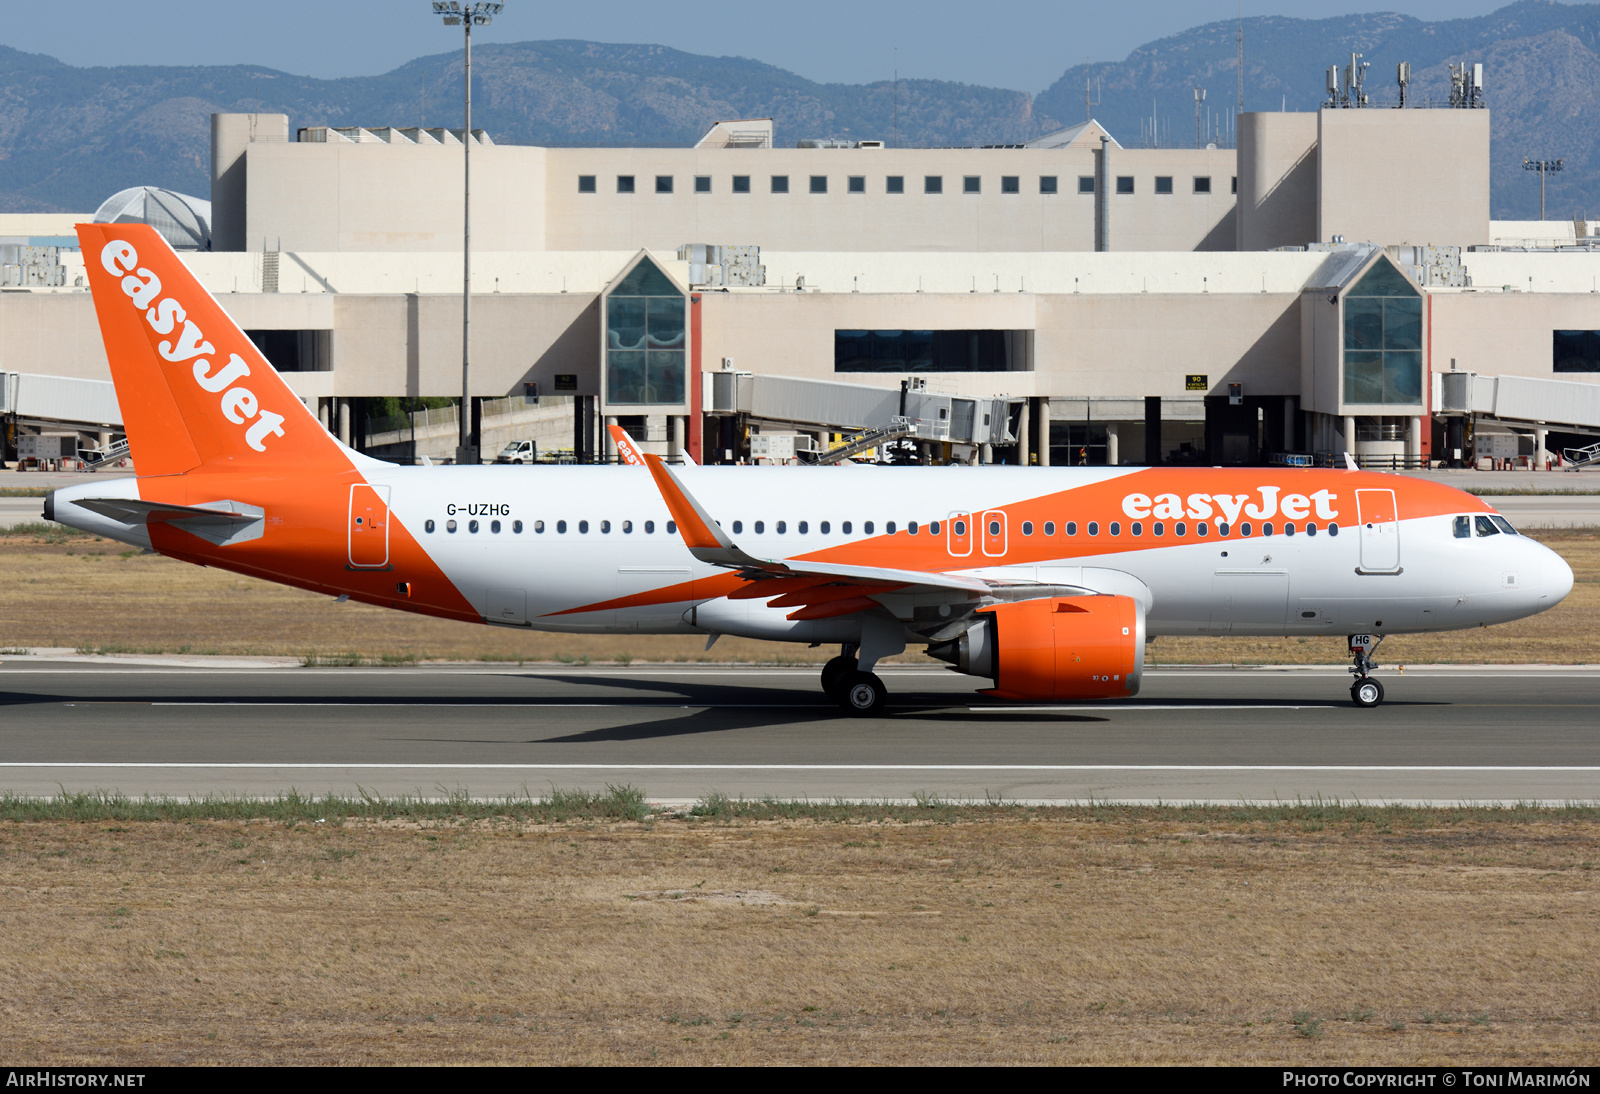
{"type": "Point", "coordinates": [194, 391]}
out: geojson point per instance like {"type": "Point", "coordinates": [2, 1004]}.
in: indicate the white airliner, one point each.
{"type": "Point", "coordinates": [1046, 581]}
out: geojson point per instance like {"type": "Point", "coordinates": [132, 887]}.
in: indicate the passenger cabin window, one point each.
{"type": "Point", "coordinates": [649, 527]}
{"type": "Point", "coordinates": [427, 526]}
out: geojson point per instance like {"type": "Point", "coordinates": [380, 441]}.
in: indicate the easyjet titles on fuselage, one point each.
{"type": "Point", "coordinates": [1205, 506]}
{"type": "Point", "coordinates": [238, 404]}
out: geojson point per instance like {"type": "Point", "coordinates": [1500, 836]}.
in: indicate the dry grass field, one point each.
{"type": "Point", "coordinates": [982, 936]}
{"type": "Point", "coordinates": [81, 592]}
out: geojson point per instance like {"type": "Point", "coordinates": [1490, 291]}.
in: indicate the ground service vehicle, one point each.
{"type": "Point", "coordinates": [518, 452]}
{"type": "Point", "coordinates": [1046, 581]}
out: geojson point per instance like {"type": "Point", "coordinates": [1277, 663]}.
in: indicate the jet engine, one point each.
{"type": "Point", "coordinates": [1069, 647]}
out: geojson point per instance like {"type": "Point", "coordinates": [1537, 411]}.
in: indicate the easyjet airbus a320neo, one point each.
{"type": "Point", "coordinates": [1045, 581]}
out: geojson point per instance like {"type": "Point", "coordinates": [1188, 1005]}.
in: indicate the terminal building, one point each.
{"type": "Point", "coordinates": [1335, 284]}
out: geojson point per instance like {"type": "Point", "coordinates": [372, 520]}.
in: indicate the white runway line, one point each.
{"type": "Point", "coordinates": [256, 766]}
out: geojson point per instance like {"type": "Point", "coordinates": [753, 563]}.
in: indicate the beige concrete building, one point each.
{"type": "Point", "coordinates": [1099, 303]}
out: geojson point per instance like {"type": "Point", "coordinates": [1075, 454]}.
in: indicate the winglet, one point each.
{"type": "Point", "coordinates": [703, 536]}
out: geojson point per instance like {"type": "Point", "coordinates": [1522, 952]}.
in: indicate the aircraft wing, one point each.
{"type": "Point", "coordinates": [817, 590]}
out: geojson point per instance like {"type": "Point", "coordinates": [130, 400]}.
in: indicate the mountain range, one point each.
{"type": "Point", "coordinates": [70, 136]}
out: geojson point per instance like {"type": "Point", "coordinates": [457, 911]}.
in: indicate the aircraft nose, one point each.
{"type": "Point", "coordinates": [1557, 579]}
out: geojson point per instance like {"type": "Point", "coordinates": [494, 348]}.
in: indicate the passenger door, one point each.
{"type": "Point", "coordinates": [368, 536]}
{"type": "Point", "coordinates": [1380, 531]}
{"type": "Point", "coordinates": [994, 533]}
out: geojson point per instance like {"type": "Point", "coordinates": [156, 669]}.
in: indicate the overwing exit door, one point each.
{"type": "Point", "coordinates": [369, 527]}
{"type": "Point", "coordinates": [1380, 531]}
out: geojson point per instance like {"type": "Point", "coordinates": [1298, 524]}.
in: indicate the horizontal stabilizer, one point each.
{"type": "Point", "coordinates": [219, 522]}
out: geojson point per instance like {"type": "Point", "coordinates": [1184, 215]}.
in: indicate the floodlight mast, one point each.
{"type": "Point", "coordinates": [466, 15]}
{"type": "Point", "coordinates": [1544, 167]}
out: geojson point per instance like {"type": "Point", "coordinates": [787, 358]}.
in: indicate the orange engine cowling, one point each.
{"type": "Point", "coordinates": [1069, 647]}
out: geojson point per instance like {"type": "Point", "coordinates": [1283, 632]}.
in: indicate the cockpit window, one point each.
{"type": "Point", "coordinates": [1504, 525]}
{"type": "Point", "coordinates": [1485, 526]}
{"type": "Point", "coordinates": [1463, 527]}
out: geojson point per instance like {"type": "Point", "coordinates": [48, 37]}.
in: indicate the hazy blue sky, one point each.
{"type": "Point", "coordinates": [1022, 44]}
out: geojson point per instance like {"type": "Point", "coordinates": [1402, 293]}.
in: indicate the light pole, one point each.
{"type": "Point", "coordinates": [466, 16]}
{"type": "Point", "coordinates": [1544, 167]}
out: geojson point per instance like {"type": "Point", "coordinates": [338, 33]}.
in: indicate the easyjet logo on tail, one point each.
{"type": "Point", "coordinates": [1205, 506]}
{"type": "Point", "coordinates": [238, 403]}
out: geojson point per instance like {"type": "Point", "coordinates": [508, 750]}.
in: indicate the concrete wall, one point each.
{"type": "Point", "coordinates": [1403, 176]}
{"type": "Point", "coordinates": [1277, 181]}
{"type": "Point", "coordinates": [231, 138]}
{"type": "Point", "coordinates": [1508, 333]}
{"type": "Point", "coordinates": [339, 196]}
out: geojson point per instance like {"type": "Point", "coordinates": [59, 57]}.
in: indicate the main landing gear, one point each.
{"type": "Point", "coordinates": [859, 693]}
{"type": "Point", "coordinates": [1365, 691]}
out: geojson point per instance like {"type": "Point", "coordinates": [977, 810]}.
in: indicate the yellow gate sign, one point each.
{"type": "Point", "coordinates": [1196, 381]}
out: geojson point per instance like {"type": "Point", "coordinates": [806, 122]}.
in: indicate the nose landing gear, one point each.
{"type": "Point", "coordinates": [1365, 691]}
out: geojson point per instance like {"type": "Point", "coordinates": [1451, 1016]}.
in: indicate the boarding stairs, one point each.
{"type": "Point", "coordinates": [1581, 457]}
{"type": "Point", "coordinates": [96, 458]}
{"type": "Point", "coordinates": [869, 438]}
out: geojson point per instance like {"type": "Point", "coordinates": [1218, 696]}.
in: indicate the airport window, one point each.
{"type": "Point", "coordinates": [1027, 527]}
{"type": "Point", "coordinates": [866, 528]}
{"type": "Point", "coordinates": [1576, 351]}
{"type": "Point", "coordinates": [894, 184]}
{"type": "Point", "coordinates": [738, 527]}
{"type": "Point", "coordinates": [605, 526]}
{"type": "Point", "coordinates": [888, 529]}
{"type": "Point", "coordinates": [449, 526]}
{"type": "Point", "coordinates": [561, 527]}
{"type": "Point", "coordinates": [583, 527]}
{"type": "Point", "coordinates": [645, 338]}
{"type": "Point", "coordinates": [1202, 184]}
{"type": "Point", "coordinates": [1163, 184]}
{"type": "Point", "coordinates": [585, 184]}
{"type": "Point", "coordinates": [663, 184]}
{"type": "Point", "coordinates": [1011, 184]}
{"type": "Point", "coordinates": [928, 351]}
{"type": "Point", "coordinates": [624, 184]}
{"type": "Point", "coordinates": [494, 526]}
{"type": "Point", "coordinates": [857, 184]}
{"type": "Point", "coordinates": [972, 184]}
{"type": "Point", "coordinates": [782, 527]}
{"type": "Point", "coordinates": [1235, 189]}
{"type": "Point", "coordinates": [1124, 184]}
{"type": "Point", "coordinates": [1136, 528]}
{"type": "Point", "coordinates": [761, 527]}
{"type": "Point", "coordinates": [1116, 528]}
{"type": "Point", "coordinates": [1383, 338]}
{"type": "Point", "coordinates": [802, 528]}
{"type": "Point", "coordinates": [845, 528]}
{"type": "Point", "coordinates": [819, 184]}
{"type": "Point", "coordinates": [427, 526]}
{"type": "Point", "coordinates": [649, 527]}
{"type": "Point", "coordinates": [1085, 184]}
{"type": "Point", "coordinates": [933, 184]}
{"type": "Point", "coordinates": [741, 184]}
{"type": "Point", "coordinates": [780, 184]}
{"type": "Point", "coordinates": [702, 184]}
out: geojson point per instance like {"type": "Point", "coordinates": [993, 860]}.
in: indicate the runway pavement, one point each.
{"type": "Point", "coordinates": [679, 732]}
